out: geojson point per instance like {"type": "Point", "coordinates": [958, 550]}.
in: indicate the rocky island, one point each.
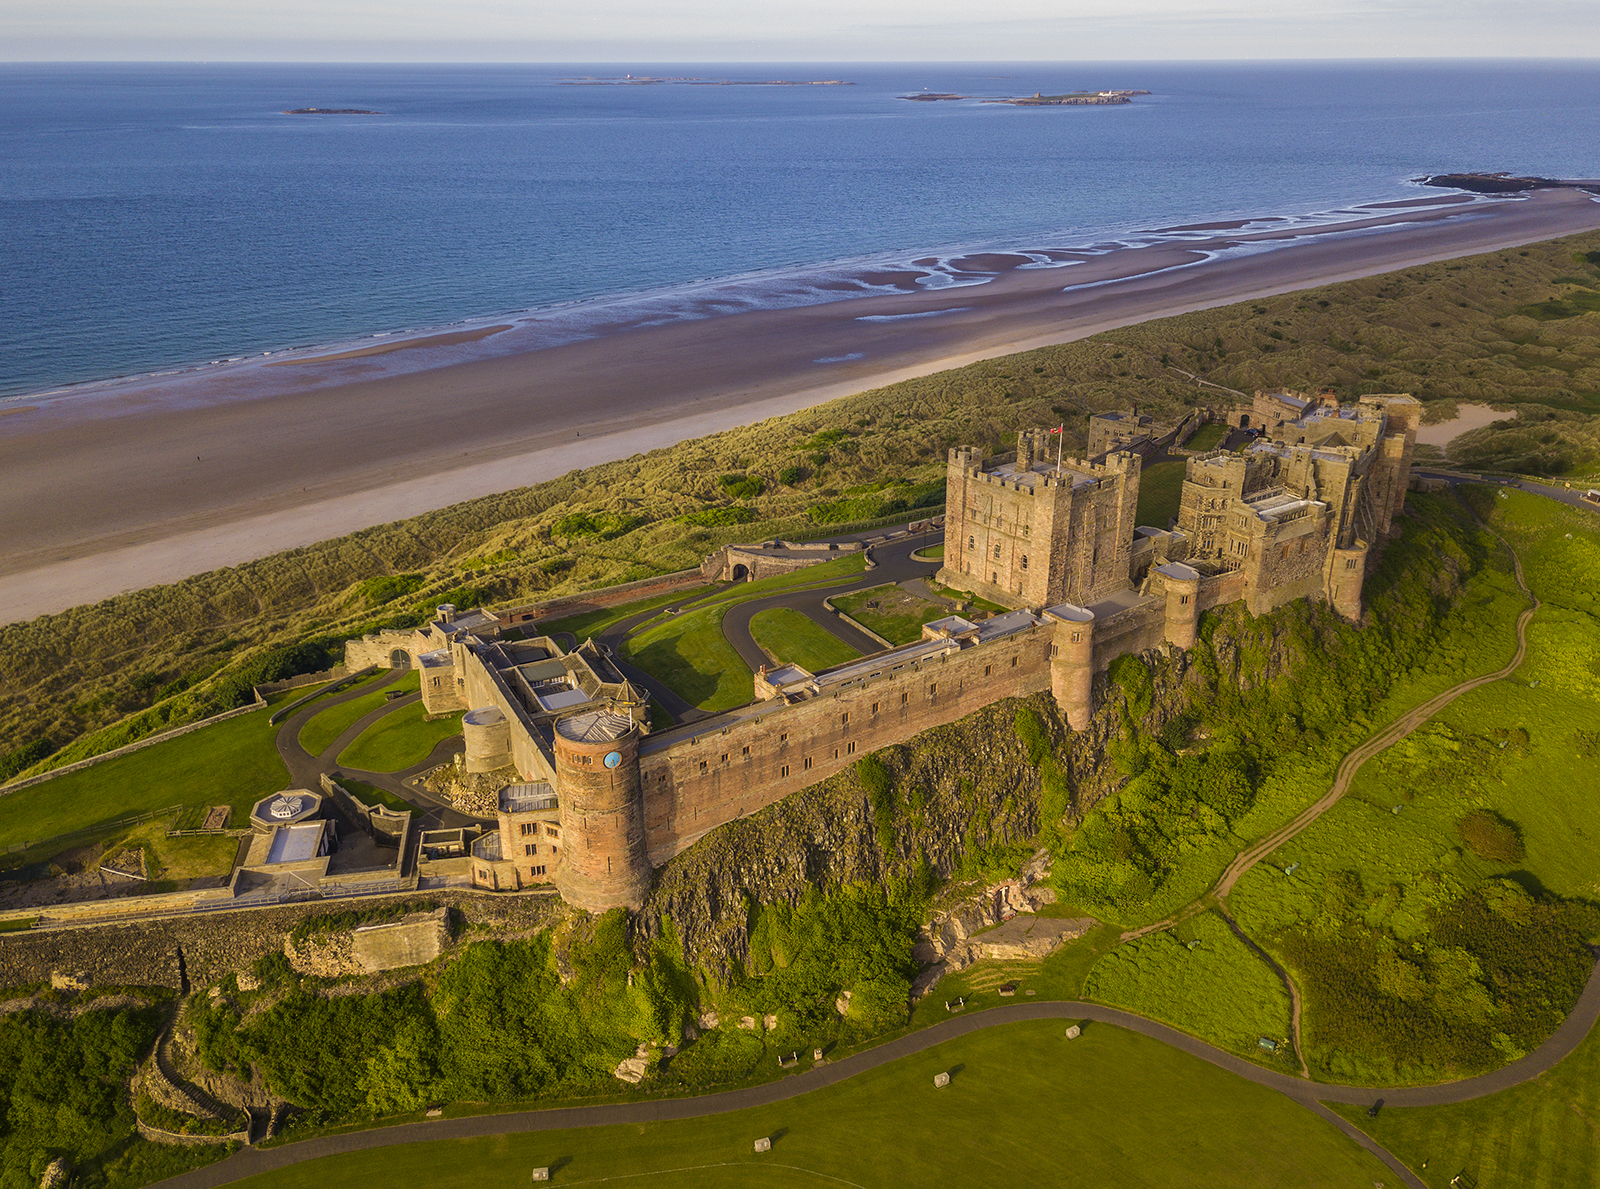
{"type": "Point", "coordinates": [1505, 183]}
{"type": "Point", "coordinates": [1037, 99]}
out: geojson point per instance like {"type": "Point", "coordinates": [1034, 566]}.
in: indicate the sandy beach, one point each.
{"type": "Point", "coordinates": [148, 481]}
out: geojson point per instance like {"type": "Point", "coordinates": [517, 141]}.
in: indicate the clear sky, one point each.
{"type": "Point", "coordinates": [792, 30]}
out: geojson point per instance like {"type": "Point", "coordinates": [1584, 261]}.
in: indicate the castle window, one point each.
{"type": "Point", "coordinates": [586, 761]}
{"type": "Point", "coordinates": [905, 699]}
{"type": "Point", "coordinates": [995, 579]}
{"type": "Point", "coordinates": [997, 551]}
{"type": "Point", "coordinates": [972, 542]}
{"type": "Point", "coordinates": [874, 708]}
{"type": "Point", "coordinates": [808, 764]}
{"type": "Point", "coordinates": [1183, 600]}
{"type": "Point", "coordinates": [1055, 651]}
{"type": "Point", "coordinates": [850, 748]}
{"type": "Point", "coordinates": [1024, 561]}
{"type": "Point", "coordinates": [933, 689]}
{"type": "Point", "coordinates": [535, 870]}
{"type": "Point", "coordinates": [704, 767]}
{"type": "Point", "coordinates": [1349, 563]}
{"type": "Point", "coordinates": [530, 849]}
{"type": "Point", "coordinates": [836, 753]}
{"type": "Point", "coordinates": [783, 771]}
{"type": "Point", "coordinates": [1077, 637]}
{"type": "Point", "coordinates": [747, 753]}
{"type": "Point", "coordinates": [552, 832]}
{"type": "Point", "coordinates": [1013, 662]}
{"type": "Point", "coordinates": [844, 719]}
{"type": "Point", "coordinates": [529, 828]}
{"type": "Point", "coordinates": [988, 670]}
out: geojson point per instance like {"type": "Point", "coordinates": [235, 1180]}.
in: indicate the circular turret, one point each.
{"type": "Point", "coordinates": [603, 861]}
{"type": "Point", "coordinates": [488, 735]}
{"type": "Point", "coordinates": [1072, 663]}
{"type": "Point", "coordinates": [1183, 603]}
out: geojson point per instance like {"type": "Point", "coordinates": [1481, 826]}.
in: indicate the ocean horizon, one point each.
{"type": "Point", "coordinates": [162, 218]}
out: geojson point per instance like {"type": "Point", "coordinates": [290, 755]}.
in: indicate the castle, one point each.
{"type": "Point", "coordinates": [601, 800]}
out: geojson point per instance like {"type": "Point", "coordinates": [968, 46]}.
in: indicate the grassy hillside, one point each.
{"type": "Point", "coordinates": [1510, 327]}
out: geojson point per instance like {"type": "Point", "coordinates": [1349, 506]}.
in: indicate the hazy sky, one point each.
{"type": "Point", "coordinates": [793, 30]}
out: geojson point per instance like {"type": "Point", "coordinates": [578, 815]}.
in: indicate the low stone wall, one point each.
{"type": "Point", "coordinates": [277, 687]}
{"type": "Point", "coordinates": [157, 1136]}
{"type": "Point", "coordinates": [527, 614]}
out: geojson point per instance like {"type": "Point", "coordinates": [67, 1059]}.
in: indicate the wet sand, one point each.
{"type": "Point", "coordinates": [147, 482]}
{"type": "Point", "coordinates": [453, 339]}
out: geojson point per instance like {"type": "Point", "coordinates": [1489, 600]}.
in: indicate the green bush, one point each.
{"type": "Point", "coordinates": [387, 587]}
{"type": "Point", "coordinates": [743, 487]}
{"type": "Point", "coordinates": [1490, 836]}
{"type": "Point", "coordinates": [603, 525]}
{"type": "Point", "coordinates": [792, 476]}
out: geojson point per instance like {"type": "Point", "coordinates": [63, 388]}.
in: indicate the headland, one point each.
{"type": "Point", "coordinates": [149, 480]}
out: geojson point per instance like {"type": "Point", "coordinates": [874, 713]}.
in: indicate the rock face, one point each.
{"type": "Point", "coordinates": [632, 1069]}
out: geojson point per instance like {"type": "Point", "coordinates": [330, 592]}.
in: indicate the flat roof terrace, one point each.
{"type": "Point", "coordinates": [1035, 475]}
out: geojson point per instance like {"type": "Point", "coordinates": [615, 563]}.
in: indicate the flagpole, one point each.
{"type": "Point", "coordinates": [1060, 445]}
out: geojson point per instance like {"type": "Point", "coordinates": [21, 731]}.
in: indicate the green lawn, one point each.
{"type": "Point", "coordinates": [1025, 1107]}
{"type": "Point", "coordinates": [1160, 488]}
{"type": "Point", "coordinates": [1539, 1135]}
{"type": "Point", "coordinates": [319, 733]}
{"type": "Point", "coordinates": [898, 616]}
{"type": "Point", "coordinates": [689, 653]}
{"type": "Point", "coordinates": [1202, 979]}
{"type": "Point", "coordinates": [931, 553]}
{"type": "Point", "coordinates": [397, 741]}
{"type": "Point", "coordinates": [231, 763]}
{"type": "Point", "coordinates": [974, 603]}
{"type": "Point", "coordinates": [822, 574]}
{"type": "Point", "coordinates": [1208, 437]}
{"type": "Point", "coordinates": [793, 638]}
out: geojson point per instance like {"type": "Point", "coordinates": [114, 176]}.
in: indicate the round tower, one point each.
{"type": "Point", "coordinates": [1072, 663]}
{"type": "Point", "coordinates": [603, 861]}
{"type": "Point", "coordinates": [488, 735]}
{"type": "Point", "coordinates": [1347, 570]}
{"type": "Point", "coordinates": [1183, 603]}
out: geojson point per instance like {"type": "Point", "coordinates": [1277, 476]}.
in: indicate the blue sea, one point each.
{"type": "Point", "coordinates": [158, 217]}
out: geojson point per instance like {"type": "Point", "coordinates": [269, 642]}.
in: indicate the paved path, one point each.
{"type": "Point", "coordinates": [251, 1161]}
{"type": "Point", "coordinates": [894, 565]}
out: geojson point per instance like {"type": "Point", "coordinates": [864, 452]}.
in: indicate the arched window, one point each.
{"type": "Point", "coordinates": [972, 542]}
{"type": "Point", "coordinates": [1024, 561]}
{"type": "Point", "coordinates": [997, 551]}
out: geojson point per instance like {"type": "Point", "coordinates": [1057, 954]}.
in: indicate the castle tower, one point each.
{"type": "Point", "coordinates": [1346, 572]}
{"type": "Point", "coordinates": [1072, 663]}
{"type": "Point", "coordinates": [603, 865]}
{"type": "Point", "coordinates": [1183, 603]}
{"type": "Point", "coordinates": [488, 737]}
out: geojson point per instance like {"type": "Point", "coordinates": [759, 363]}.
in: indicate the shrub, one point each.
{"type": "Point", "coordinates": [743, 487]}
{"type": "Point", "coordinates": [388, 587]}
{"type": "Point", "coordinates": [1489, 836]}
{"type": "Point", "coordinates": [603, 525]}
{"type": "Point", "coordinates": [792, 476]}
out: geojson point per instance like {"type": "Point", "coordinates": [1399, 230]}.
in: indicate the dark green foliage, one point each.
{"type": "Point", "coordinates": [875, 778]}
{"type": "Point", "coordinates": [1055, 787]}
{"type": "Point", "coordinates": [462, 597]}
{"type": "Point", "coordinates": [63, 1088]}
{"type": "Point", "coordinates": [742, 487]}
{"type": "Point", "coordinates": [1498, 973]}
{"type": "Point", "coordinates": [792, 476]}
{"type": "Point", "coordinates": [1489, 836]}
{"type": "Point", "coordinates": [604, 525]}
{"type": "Point", "coordinates": [1132, 676]}
{"type": "Point", "coordinates": [24, 757]}
{"type": "Point", "coordinates": [856, 940]}
{"type": "Point", "coordinates": [387, 587]}
{"type": "Point", "coordinates": [718, 517]}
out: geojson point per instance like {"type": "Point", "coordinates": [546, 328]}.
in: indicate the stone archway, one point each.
{"type": "Point", "coordinates": [741, 573]}
{"type": "Point", "coordinates": [1244, 420]}
{"type": "Point", "coordinates": [399, 659]}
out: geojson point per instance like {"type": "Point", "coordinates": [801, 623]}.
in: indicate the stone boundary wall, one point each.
{"type": "Point", "coordinates": [606, 596]}
{"type": "Point", "coordinates": [157, 1136]}
{"type": "Point", "coordinates": [389, 828]}
{"type": "Point", "coordinates": [147, 741]}
{"type": "Point", "coordinates": [345, 678]}
{"type": "Point", "coordinates": [277, 687]}
{"type": "Point", "coordinates": [855, 623]}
